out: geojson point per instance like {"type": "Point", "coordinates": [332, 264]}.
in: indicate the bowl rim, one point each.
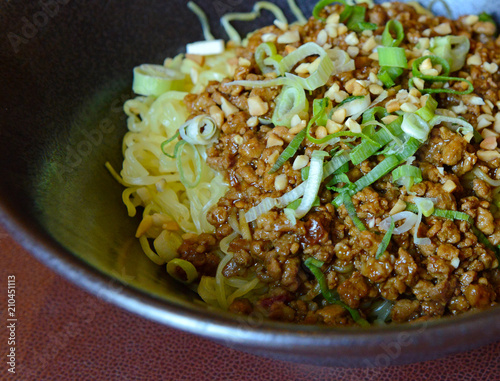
{"type": "Point", "coordinates": [226, 328]}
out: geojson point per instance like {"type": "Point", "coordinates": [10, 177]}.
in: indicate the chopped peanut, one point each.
{"type": "Point", "coordinates": [449, 186]}
{"type": "Point", "coordinates": [339, 115]}
{"type": "Point", "coordinates": [256, 106]}
{"type": "Point", "coordinates": [300, 162]}
{"type": "Point", "coordinates": [290, 37]}
{"type": "Point", "coordinates": [398, 207]}
{"type": "Point", "coordinates": [274, 141]}
{"type": "Point", "coordinates": [490, 143]}
{"type": "Point", "coordinates": [280, 182]}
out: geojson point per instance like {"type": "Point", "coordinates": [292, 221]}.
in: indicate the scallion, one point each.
{"type": "Point", "coordinates": [392, 57]}
{"type": "Point", "coordinates": [289, 151]}
{"type": "Point", "coordinates": [265, 51]}
{"type": "Point", "coordinates": [439, 78]}
{"type": "Point", "coordinates": [351, 210]}
{"type": "Point", "coordinates": [314, 266]}
{"type": "Point", "coordinates": [393, 26]}
{"type": "Point", "coordinates": [386, 240]}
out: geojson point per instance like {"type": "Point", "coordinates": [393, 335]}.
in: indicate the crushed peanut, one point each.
{"type": "Point", "coordinates": [490, 67]}
{"type": "Point", "coordinates": [488, 155]}
{"type": "Point", "coordinates": [322, 37]}
{"type": "Point", "coordinates": [300, 162]}
{"type": "Point", "coordinates": [274, 141]}
{"type": "Point", "coordinates": [281, 182]}
{"type": "Point", "coordinates": [290, 37]}
{"type": "Point", "coordinates": [489, 143]}
{"type": "Point", "coordinates": [321, 132]}
{"type": "Point", "coordinates": [253, 121]}
{"type": "Point", "coordinates": [238, 139]}
{"type": "Point", "coordinates": [256, 106]}
{"type": "Point", "coordinates": [217, 115]}
{"type": "Point", "coordinates": [269, 37]}
{"type": "Point", "coordinates": [449, 186]}
{"type": "Point", "coordinates": [474, 60]}
{"type": "Point", "coordinates": [227, 107]}
{"type": "Point", "coordinates": [339, 115]}
{"type": "Point", "coordinates": [400, 206]}
{"type": "Point", "coordinates": [443, 29]}
{"type": "Point", "coordinates": [352, 39]}
{"type": "Point", "coordinates": [353, 126]}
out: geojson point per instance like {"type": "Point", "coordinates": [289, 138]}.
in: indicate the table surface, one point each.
{"type": "Point", "coordinates": [64, 333]}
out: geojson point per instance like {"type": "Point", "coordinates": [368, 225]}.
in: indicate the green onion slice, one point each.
{"type": "Point", "coordinates": [406, 172]}
{"type": "Point", "coordinates": [156, 80]}
{"type": "Point", "coordinates": [428, 111]}
{"type": "Point", "coordinates": [314, 266]}
{"type": "Point", "coordinates": [316, 79]}
{"type": "Point", "coordinates": [186, 168]}
{"type": "Point", "coordinates": [295, 204]}
{"type": "Point", "coordinates": [291, 101]}
{"type": "Point", "coordinates": [366, 148]}
{"type": "Point", "coordinates": [392, 57]}
{"type": "Point", "coordinates": [323, 3]}
{"type": "Point", "coordinates": [393, 26]}
{"type": "Point", "coordinates": [289, 151]}
{"type": "Point", "coordinates": [356, 21]}
{"type": "Point", "coordinates": [313, 183]}
{"type": "Point", "coordinates": [351, 210]}
{"type": "Point", "coordinates": [486, 17]}
{"type": "Point", "coordinates": [439, 78]}
{"type": "Point", "coordinates": [201, 130]}
{"type": "Point", "coordinates": [416, 127]}
{"type": "Point", "coordinates": [386, 240]}
{"type": "Point", "coordinates": [389, 74]}
{"type": "Point", "coordinates": [167, 142]}
{"type": "Point", "coordinates": [187, 267]}
{"type": "Point", "coordinates": [374, 113]}
{"type": "Point", "coordinates": [383, 168]}
{"type": "Point", "coordinates": [267, 50]}
{"type": "Point", "coordinates": [453, 49]}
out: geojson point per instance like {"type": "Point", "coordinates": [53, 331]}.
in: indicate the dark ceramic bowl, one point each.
{"type": "Point", "coordinates": [65, 73]}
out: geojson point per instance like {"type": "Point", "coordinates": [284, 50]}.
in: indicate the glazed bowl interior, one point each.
{"type": "Point", "coordinates": [66, 71]}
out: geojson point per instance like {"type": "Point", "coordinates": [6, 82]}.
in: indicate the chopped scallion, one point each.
{"type": "Point", "coordinates": [393, 26]}
{"type": "Point", "coordinates": [314, 266]}
{"type": "Point", "coordinates": [386, 240]}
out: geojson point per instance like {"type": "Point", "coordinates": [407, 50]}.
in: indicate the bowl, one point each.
{"type": "Point", "coordinates": [66, 71]}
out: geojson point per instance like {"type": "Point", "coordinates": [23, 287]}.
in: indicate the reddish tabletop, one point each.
{"type": "Point", "coordinates": [63, 333]}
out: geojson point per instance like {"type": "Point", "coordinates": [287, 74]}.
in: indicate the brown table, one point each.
{"type": "Point", "coordinates": [63, 333]}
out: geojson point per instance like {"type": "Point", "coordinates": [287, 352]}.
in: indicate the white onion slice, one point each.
{"type": "Point", "coordinates": [483, 176]}
{"type": "Point", "coordinates": [411, 219]}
